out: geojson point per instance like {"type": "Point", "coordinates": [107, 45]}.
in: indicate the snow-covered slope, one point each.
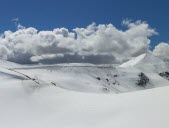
{"type": "Point", "coordinates": [146, 58]}
{"type": "Point", "coordinates": [7, 64]}
{"type": "Point", "coordinates": [156, 69]}
{"type": "Point", "coordinates": [133, 61]}
{"type": "Point", "coordinates": [89, 79]}
{"type": "Point", "coordinates": [52, 107]}
{"type": "Point", "coordinates": [55, 95]}
{"type": "Point", "coordinates": [140, 73]}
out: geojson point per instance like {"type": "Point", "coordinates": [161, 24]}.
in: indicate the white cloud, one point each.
{"type": "Point", "coordinates": [108, 40]}
{"type": "Point", "coordinates": [162, 50]}
{"type": "Point", "coordinates": [46, 57]}
{"type": "Point", "coordinates": [3, 52]}
{"type": "Point", "coordinates": [28, 45]}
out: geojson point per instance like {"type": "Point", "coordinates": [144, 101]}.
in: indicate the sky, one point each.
{"type": "Point", "coordinates": [71, 14]}
{"type": "Point", "coordinates": [49, 14]}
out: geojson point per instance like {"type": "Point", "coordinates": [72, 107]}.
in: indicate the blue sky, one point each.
{"type": "Point", "coordinates": [50, 14]}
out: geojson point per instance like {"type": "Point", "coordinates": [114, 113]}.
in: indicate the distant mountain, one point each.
{"type": "Point", "coordinates": [143, 72]}
{"type": "Point", "coordinates": [146, 58]}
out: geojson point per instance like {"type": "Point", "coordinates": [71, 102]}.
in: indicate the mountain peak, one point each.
{"type": "Point", "coordinates": [146, 58]}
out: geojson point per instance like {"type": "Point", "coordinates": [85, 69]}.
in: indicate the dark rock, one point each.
{"type": "Point", "coordinates": [143, 80]}
{"type": "Point", "coordinates": [53, 83]}
{"type": "Point", "coordinates": [98, 78]}
{"type": "Point", "coordinates": [164, 75]}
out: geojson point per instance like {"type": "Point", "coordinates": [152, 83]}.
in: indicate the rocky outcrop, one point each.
{"type": "Point", "coordinates": [164, 75]}
{"type": "Point", "coordinates": [143, 80]}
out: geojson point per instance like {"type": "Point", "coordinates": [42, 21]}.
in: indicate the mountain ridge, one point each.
{"type": "Point", "coordinates": [130, 76]}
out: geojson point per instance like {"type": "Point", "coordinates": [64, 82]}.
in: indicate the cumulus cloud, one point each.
{"type": "Point", "coordinates": [162, 50]}
{"type": "Point", "coordinates": [102, 43]}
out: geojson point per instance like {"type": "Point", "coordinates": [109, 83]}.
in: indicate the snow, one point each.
{"type": "Point", "coordinates": [97, 78]}
{"type": "Point", "coordinates": [49, 106]}
{"type": "Point", "coordinates": [8, 64]}
{"type": "Point", "coordinates": [133, 61]}
{"type": "Point", "coordinates": [72, 96]}
{"type": "Point", "coordinates": [146, 58]}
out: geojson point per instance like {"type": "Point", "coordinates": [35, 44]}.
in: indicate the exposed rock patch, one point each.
{"type": "Point", "coordinates": [143, 80]}
{"type": "Point", "coordinates": [164, 75]}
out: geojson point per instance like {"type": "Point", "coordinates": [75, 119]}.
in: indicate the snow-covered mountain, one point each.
{"type": "Point", "coordinates": [143, 72]}
{"type": "Point", "coordinates": [146, 58]}
{"type": "Point", "coordinates": [43, 96]}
